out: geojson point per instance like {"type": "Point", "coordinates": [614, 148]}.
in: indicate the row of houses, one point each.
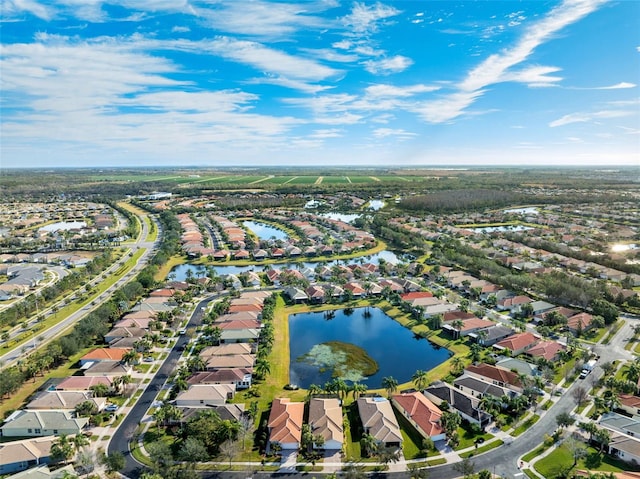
{"type": "Point", "coordinates": [377, 418]}
{"type": "Point", "coordinates": [192, 239]}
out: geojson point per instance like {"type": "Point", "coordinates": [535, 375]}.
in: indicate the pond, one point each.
{"type": "Point", "coordinates": [324, 343]}
{"type": "Point", "coordinates": [180, 272]}
{"type": "Point", "coordinates": [265, 232]}
{"type": "Point", "coordinates": [347, 218]}
{"type": "Point", "coordinates": [376, 204]}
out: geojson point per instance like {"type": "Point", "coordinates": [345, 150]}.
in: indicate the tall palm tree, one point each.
{"type": "Point", "coordinates": [631, 372]}
{"type": "Point", "coordinates": [420, 379]}
{"type": "Point", "coordinates": [390, 384]}
{"type": "Point", "coordinates": [457, 365]}
{"type": "Point", "coordinates": [358, 389]}
{"type": "Point", "coordinates": [262, 368]}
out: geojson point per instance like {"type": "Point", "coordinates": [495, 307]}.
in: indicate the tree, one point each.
{"type": "Point", "coordinates": [465, 467]}
{"type": "Point", "coordinates": [580, 395]}
{"type": "Point", "coordinates": [262, 368]}
{"type": "Point", "coordinates": [602, 437]}
{"type": "Point", "coordinates": [192, 450]}
{"type": "Point", "coordinates": [368, 444]}
{"type": "Point", "coordinates": [357, 389]}
{"type": "Point", "coordinates": [604, 308]}
{"type": "Point", "coordinates": [388, 454]}
{"type": "Point", "coordinates": [62, 449]}
{"type": "Point", "coordinates": [475, 352]}
{"type": "Point", "coordinates": [576, 448]}
{"type": "Point", "coordinates": [86, 408]}
{"type": "Point", "coordinates": [457, 365]}
{"type": "Point", "coordinates": [416, 472]}
{"type": "Point", "coordinates": [450, 421]}
{"type": "Point", "coordinates": [420, 379]}
{"type": "Point", "coordinates": [631, 372]}
{"type": "Point", "coordinates": [589, 427]}
{"type": "Point", "coordinates": [390, 384]}
{"type": "Point", "coordinates": [564, 419]}
{"type": "Point", "coordinates": [114, 462]}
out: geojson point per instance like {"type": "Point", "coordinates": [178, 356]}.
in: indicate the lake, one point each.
{"type": "Point", "coordinates": [395, 348]}
{"type": "Point", "coordinates": [180, 272]}
{"type": "Point", "coordinates": [265, 232]}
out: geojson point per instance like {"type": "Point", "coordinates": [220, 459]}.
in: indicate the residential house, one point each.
{"type": "Point", "coordinates": [240, 378]}
{"type": "Point", "coordinates": [296, 295]}
{"type": "Point", "coordinates": [421, 413]}
{"type": "Point", "coordinates": [513, 303]}
{"type": "Point", "coordinates": [549, 350]}
{"type": "Point", "coordinates": [315, 293]}
{"type": "Point", "coordinates": [472, 325]}
{"type": "Point", "coordinates": [539, 307]}
{"type": "Point", "coordinates": [630, 404]}
{"type": "Point", "coordinates": [624, 432]}
{"type": "Point", "coordinates": [64, 400]}
{"type": "Point", "coordinates": [107, 368]}
{"type": "Point", "coordinates": [325, 419]}
{"type": "Point", "coordinates": [518, 366]}
{"type": "Point", "coordinates": [517, 343]}
{"type": "Point", "coordinates": [479, 388]}
{"type": "Point", "coordinates": [119, 333]}
{"type": "Point", "coordinates": [233, 361]}
{"type": "Point", "coordinates": [104, 354]}
{"type": "Point", "coordinates": [466, 405]}
{"type": "Point", "coordinates": [495, 375]}
{"type": "Point", "coordinates": [285, 423]}
{"type": "Point", "coordinates": [226, 350]}
{"type": "Point", "coordinates": [206, 395]}
{"type": "Point", "coordinates": [23, 423]}
{"type": "Point", "coordinates": [579, 323]}
{"type": "Point", "coordinates": [16, 456]}
{"type": "Point", "coordinates": [492, 335]}
{"type": "Point", "coordinates": [239, 335]}
{"type": "Point", "coordinates": [379, 421]}
{"type": "Point", "coordinates": [82, 383]}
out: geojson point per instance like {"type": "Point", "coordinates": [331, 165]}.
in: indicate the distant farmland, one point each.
{"type": "Point", "coordinates": [256, 180]}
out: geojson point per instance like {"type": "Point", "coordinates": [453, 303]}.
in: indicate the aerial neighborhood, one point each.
{"type": "Point", "coordinates": [239, 332]}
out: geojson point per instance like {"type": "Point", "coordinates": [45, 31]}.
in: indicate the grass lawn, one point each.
{"type": "Point", "coordinates": [561, 460]}
{"type": "Point", "coordinates": [165, 269]}
{"type": "Point", "coordinates": [411, 439]}
{"type": "Point", "coordinates": [530, 421]}
{"type": "Point", "coordinates": [468, 438]}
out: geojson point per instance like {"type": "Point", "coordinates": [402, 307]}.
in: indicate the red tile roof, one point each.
{"type": "Point", "coordinates": [285, 421]}
{"type": "Point", "coordinates": [422, 411]}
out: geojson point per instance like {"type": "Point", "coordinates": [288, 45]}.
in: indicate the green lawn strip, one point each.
{"type": "Point", "coordinates": [137, 213]}
{"type": "Point", "coordinates": [530, 421]}
{"type": "Point", "coordinates": [437, 462]}
{"type": "Point", "coordinates": [165, 269]}
{"type": "Point", "coordinates": [22, 395]}
{"type": "Point", "coordinates": [535, 453]}
{"type": "Point", "coordinates": [481, 449]}
{"type": "Point", "coordinates": [529, 473]}
{"type": "Point", "coordinates": [560, 459]}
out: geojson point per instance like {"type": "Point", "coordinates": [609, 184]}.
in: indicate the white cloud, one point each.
{"type": "Point", "coordinates": [387, 66]}
{"type": "Point", "coordinates": [397, 133]}
{"type": "Point", "coordinates": [262, 18]}
{"type": "Point", "coordinates": [582, 117]}
{"type": "Point", "coordinates": [618, 86]}
{"type": "Point", "coordinates": [327, 133]}
{"type": "Point", "coordinates": [12, 9]}
{"type": "Point", "coordinates": [385, 90]}
{"type": "Point", "coordinates": [364, 19]}
{"type": "Point", "coordinates": [180, 29]}
{"type": "Point", "coordinates": [105, 96]}
{"type": "Point", "coordinates": [537, 76]}
{"type": "Point", "coordinates": [496, 68]}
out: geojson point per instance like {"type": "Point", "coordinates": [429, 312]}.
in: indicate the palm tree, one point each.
{"type": "Point", "coordinates": [262, 368]}
{"type": "Point", "coordinates": [358, 389]}
{"type": "Point", "coordinates": [130, 357]}
{"type": "Point", "coordinates": [457, 365]}
{"type": "Point", "coordinates": [390, 384]}
{"type": "Point", "coordinates": [631, 372]}
{"type": "Point", "coordinates": [368, 444]}
{"type": "Point", "coordinates": [420, 379]}
{"type": "Point", "coordinates": [313, 390]}
{"type": "Point", "coordinates": [196, 363]}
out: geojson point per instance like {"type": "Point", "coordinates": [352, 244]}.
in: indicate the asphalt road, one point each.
{"type": "Point", "coordinates": [126, 430]}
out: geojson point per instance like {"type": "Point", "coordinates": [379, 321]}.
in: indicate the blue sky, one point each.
{"type": "Point", "coordinates": [319, 82]}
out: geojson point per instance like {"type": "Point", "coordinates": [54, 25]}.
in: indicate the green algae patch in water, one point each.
{"type": "Point", "coordinates": [345, 360]}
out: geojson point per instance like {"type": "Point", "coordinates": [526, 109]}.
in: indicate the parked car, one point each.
{"type": "Point", "coordinates": [111, 408]}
